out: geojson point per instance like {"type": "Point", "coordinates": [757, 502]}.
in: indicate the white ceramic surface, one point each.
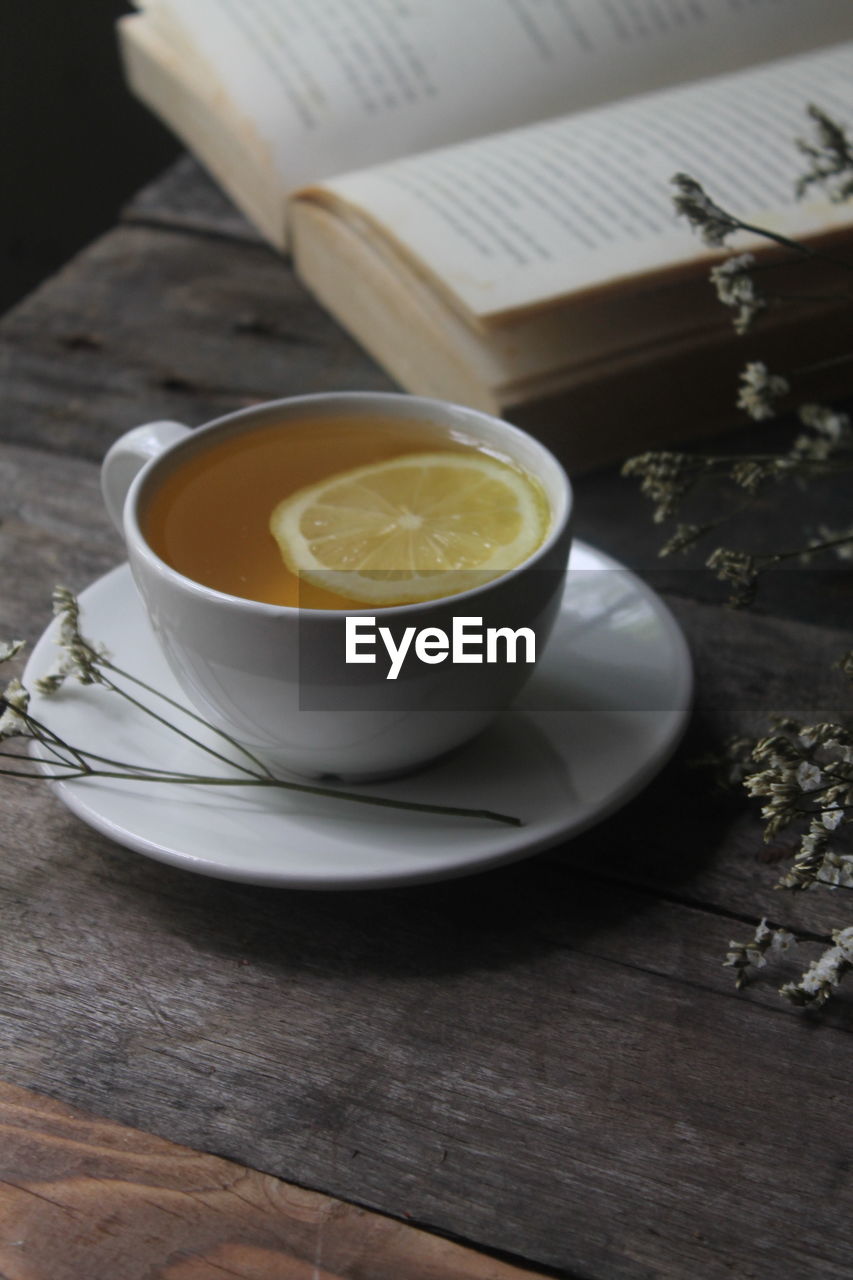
{"type": "Point", "coordinates": [602, 713]}
{"type": "Point", "coordinates": [275, 677]}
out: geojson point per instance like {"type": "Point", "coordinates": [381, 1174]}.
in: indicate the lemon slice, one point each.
{"type": "Point", "coordinates": [413, 528]}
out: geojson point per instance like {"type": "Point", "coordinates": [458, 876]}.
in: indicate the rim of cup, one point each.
{"type": "Point", "coordinates": [558, 492]}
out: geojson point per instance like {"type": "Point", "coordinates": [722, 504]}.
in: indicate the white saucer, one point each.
{"type": "Point", "coordinates": [601, 715]}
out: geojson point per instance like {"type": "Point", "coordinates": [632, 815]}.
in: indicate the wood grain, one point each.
{"type": "Point", "coordinates": [83, 1197]}
{"type": "Point", "coordinates": [522, 1060]}
{"type": "Point", "coordinates": [186, 197]}
{"type": "Point", "coordinates": [150, 323]}
{"type": "Point", "coordinates": [516, 1059]}
{"type": "Point", "coordinates": [547, 1060]}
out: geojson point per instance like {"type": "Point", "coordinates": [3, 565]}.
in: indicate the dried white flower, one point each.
{"type": "Point", "coordinates": [10, 649]}
{"type": "Point", "coordinates": [683, 538]}
{"type": "Point", "coordinates": [809, 776]}
{"type": "Point", "coordinates": [836, 870]}
{"type": "Point", "coordinates": [824, 974]}
{"type": "Point", "coordinates": [828, 422]}
{"type": "Point", "coordinates": [81, 658]}
{"type": "Point", "coordinates": [736, 288]}
{"type": "Point", "coordinates": [693, 203]}
{"type": "Point", "coordinates": [841, 538]}
{"type": "Point", "coordinates": [759, 389]}
{"type": "Point", "coordinates": [16, 700]}
{"type": "Point", "coordinates": [739, 569]}
{"type": "Point", "coordinates": [831, 158]}
{"type": "Point", "coordinates": [752, 473]}
{"type": "Point", "coordinates": [753, 954]}
{"type": "Point", "coordinates": [826, 734]}
{"type": "Point", "coordinates": [665, 477]}
{"type": "Point", "coordinates": [830, 431]}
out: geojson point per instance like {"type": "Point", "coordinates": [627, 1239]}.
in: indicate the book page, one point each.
{"type": "Point", "coordinates": [333, 85]}
{"type": "Point", "coordinates": [536, 214]}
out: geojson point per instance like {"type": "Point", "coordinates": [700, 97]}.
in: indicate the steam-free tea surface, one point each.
{"type": "Point", "coordinates": [209, 517]}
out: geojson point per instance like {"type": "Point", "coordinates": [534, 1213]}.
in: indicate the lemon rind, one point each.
{"type": "Point", "coordinates": [285, 526]}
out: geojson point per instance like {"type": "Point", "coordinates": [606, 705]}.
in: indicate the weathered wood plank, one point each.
{"type": "Point", "coordinates": [81, 1196]}
{"type": "Point", "coordinates": [185, 197]}
{"type": "Point", "coordinates": [151, 324]}
{"type": "Point", "coordinates": [548, 1059]}
{"type": "Point", "coordinates": [533, 1059]}
{"type": "Point", "coordinates": [53, 529]}
{"type": "Point", "coordinates": [481, 1056]}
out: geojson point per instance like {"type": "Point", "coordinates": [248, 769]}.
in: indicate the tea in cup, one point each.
{"type": "Point", "coordinates": [300, 562]}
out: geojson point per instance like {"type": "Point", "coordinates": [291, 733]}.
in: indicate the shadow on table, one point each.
{"type": "Point", "coordinates": [653, 847]}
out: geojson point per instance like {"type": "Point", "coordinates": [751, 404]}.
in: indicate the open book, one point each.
{"type": "Point", "coordinates": [479, 189]}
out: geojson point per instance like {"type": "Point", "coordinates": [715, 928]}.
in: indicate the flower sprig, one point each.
{"type": "Point", "coordinates": [90, 664]}
{"type": "Point", "coordinates": [825, 974]}
{"type": "Point", "coordinates": [822, 446]}
{"type": "Point", "coordinates": [736, 288]}
{"type": "Point", "coordinates": [802, 775]}
{"type": "Point", "coordinates": [805, 773]}
{"type": "Point", "coordinates": [830, 157]}
{"type": "Point", "coordinates": [823, 443]}
{"type": "Point", "coordinates": [818, 982]}
{"type": "Point", "coordinates": [754, 953]}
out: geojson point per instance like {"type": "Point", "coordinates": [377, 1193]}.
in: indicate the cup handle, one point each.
{"type": "Point", "coordinates": [128, 456]}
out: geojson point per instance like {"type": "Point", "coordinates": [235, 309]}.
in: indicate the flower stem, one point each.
{"type": "Point", "coordinates": [173, 728]}
{"type": "Point", "coordinates": [804, 250]}
{"type": "Point", "coordinates": [141, 775]}
{"type": "Point", "coordinates": [778, 556]}
{"type": "Point", "coordinates": [187, 711]}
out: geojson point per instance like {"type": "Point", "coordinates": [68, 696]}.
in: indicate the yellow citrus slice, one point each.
{"type": "Point", "coordinates": [413, 528]}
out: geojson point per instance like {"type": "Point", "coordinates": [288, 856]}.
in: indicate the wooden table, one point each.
{"type": "Point", "coordinates": [540, 1070]}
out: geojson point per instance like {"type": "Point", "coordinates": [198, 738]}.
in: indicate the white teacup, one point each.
{"type": "Point", "coordinates": [273, 676]}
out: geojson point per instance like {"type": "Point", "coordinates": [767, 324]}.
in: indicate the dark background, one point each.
{"type": "Point", "coordinates": [75, 144]}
